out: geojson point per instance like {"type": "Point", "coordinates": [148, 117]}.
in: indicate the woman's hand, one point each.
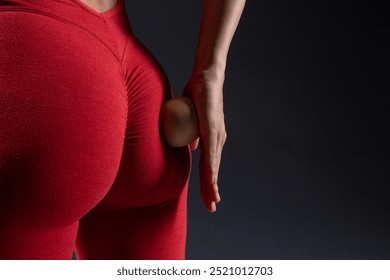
{"type": "Point", "coordinates": [218, 24]}
{"type": "Point", "coordinates": [207, 94]}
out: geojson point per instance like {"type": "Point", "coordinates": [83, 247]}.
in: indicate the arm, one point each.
{"type": "Point", "coordinates": [218, 24]}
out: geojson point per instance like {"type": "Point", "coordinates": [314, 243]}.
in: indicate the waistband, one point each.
{"type": "Point", "coordinates": [70, 7]}
{"type": "Point", "coordinates": [112, 27]}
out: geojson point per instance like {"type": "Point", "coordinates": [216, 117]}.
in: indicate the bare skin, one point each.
{"type": "Point", "coordinates": [205, 86]}
{"type": "Point", "coordinates": [100, 6]}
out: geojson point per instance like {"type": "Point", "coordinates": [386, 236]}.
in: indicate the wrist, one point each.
{"type": "Point", "coordinates": [209, 74]}
{"type": "Point", "coordinates": [210, 66]}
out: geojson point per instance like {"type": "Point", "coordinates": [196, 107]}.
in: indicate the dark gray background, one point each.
{"type": "Point", "coordinates": [305, 171]}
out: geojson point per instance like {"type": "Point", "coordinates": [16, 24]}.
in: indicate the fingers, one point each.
{"type": "Point", "coordinates": [208, 100]}
{"type": "Point", "coordinates": [211, 151]}
{"type": "Point", "coordinates": [206, 187]}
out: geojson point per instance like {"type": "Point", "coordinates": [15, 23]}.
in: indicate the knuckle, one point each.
{"type": "Point", "coordinates": [223, 136]}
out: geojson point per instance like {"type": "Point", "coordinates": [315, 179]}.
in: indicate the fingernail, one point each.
{"type": "Point", "coordinates": [218, 197]}
{"type": "Point", "coordinates": [213, 207]}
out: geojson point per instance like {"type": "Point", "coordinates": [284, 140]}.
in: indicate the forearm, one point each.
{"type": "Point", "coordinates": [218, 24]}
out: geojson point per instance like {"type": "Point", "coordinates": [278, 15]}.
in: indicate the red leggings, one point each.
{"type": "Point", "coordinates": [82, 162]}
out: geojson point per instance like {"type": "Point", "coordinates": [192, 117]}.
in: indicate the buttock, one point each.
{"type": "Point", "coordinates": [79, 127]}
{"type": "Point", "coordinates": [63, 121]}
{"type": "Point", "coordinates": [151, 172]}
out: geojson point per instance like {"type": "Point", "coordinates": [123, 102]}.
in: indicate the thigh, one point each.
{"type": "Point", "coordinates": [63, 117]}
{"type": "Point", "coordinates": [153, 232]}
{"type": "Point", "coordinates": [144, 213]}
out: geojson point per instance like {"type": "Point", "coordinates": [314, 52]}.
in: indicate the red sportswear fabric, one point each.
{"type": "Point", "coordinates": [82, 163]}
